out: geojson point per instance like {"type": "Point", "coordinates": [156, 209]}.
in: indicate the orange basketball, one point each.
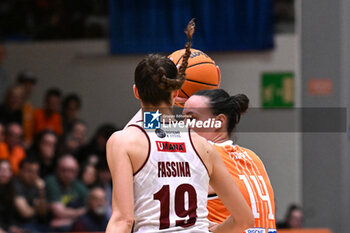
{"type": "Point", "coordinates": [201, 73]}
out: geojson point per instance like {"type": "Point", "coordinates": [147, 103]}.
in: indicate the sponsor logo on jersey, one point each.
{"type": "Point", "coordinates": [151, 120]}
{"type": "Point", "coordinates": [172, 134]}
{"type": "Point", "coordinates": [160, 133]}
{"type": "Point", "coordinates": [272, 231]}
{"type": "Point", "coordinates": [256, 230]}
{"type": "Point", "coordinates": [171, 146]}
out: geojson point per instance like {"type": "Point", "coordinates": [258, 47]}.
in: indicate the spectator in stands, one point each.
{"type": "Point", "coordinates": [44, 151]}
{"type": "Point", "coordinates": [6, 197]}
{"type": "Point", "coordinates": [95, 150]}
{"type": "Point", "coordinates": [71, 106]}
{"type": "Point", "coordinates": [29, 196]}
{"type": "Point", "coordinates": [27, 80]}
{"type": "Point", "coordinates": [79, 131]}
{"type": "Point", "coordinates": [2, 132]}
{"type": "Point", "coordinates": [96, 219]}
{"type": "Point", "coordinates": [4, 77]}
{"type": "Point", "coordinates": [48, 117]}
{"type": "Point", "coordinates": [293, 219]}
{"type": "Point", "coordinates": [11, 109]}
{"type": "Point", "coordinates": [74, 140]}
{"type": "Point", "coordinates": [89, 176]}
{"type": "Point", "coordinates": [69, 145]}
{"type": "Point", "coordinates": [105, 181]}
{"type": "Point", "coordinates": [66, 195]}
{"type": "Point", "coordinates": [12, 148]}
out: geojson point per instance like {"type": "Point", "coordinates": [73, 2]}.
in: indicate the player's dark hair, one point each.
{"type": "Point", "coordinates": [156, 76]}
{"type": "Point", "coordinates": [222, 103]}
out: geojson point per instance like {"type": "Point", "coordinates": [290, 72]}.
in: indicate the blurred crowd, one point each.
{"type": "Point", "coordinates": [53, 19]}
{"type": "Point", "coordinates": [52, 179]}
{"type": "Point", "coordinates": [294, 218]}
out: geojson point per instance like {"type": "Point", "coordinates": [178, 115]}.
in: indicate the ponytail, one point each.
{"type": "Point", "coordinates": [160, 70]}
{"type": "Point", "coordinates": [165, 83]}
{"type": "Point", "coordinates": [189, 32]}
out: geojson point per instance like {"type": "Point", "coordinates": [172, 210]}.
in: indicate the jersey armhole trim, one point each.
{"type": "Point", "coordinates": [194, 148]}
{"type": "Point", "coordinates": [149, 147]}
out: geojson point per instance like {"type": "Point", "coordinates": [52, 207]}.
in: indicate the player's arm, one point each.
{"type": "Point", "coordinates": [211, 190]}
{"type": "Point", "coordinates": [241, 217]}
{"type": "Point", "coordinates": [122, 176]}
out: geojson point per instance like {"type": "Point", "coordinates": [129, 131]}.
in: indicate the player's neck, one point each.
{"type": "Point", "coordinates": [163, 108]}
{"type": "Point", "coordinates": [220, 137]}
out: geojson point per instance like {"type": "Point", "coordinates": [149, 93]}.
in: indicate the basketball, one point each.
{"type": "Point", "coordinates": [201, 73]}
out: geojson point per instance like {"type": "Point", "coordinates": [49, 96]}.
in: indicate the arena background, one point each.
{"type": "Point", "coordinates": [310, 169]}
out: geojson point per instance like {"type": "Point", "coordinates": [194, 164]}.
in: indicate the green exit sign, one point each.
{"type": "Point", "coordinates": [277, 90]}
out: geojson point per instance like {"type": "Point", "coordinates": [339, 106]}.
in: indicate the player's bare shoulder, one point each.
{"type": "Point", "coordinates": [133, 142]}
{"type": "Point", "coordinates": [199, 141]}
{"type": "Point", "coordinates": [127, 136]}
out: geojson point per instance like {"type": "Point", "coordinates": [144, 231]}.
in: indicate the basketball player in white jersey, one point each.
{"type": "Point", "coordinates": [160, 178]}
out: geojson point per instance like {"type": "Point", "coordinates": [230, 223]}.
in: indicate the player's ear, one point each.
{"type": "Point", "coordinates": [222, 118]}
{"type": "Point", "coordinates": [136, 92]}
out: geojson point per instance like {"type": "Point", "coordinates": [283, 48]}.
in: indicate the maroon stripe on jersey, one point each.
{"type": "Point", "coordinates": [149, 147]}
{"type": "Point", "coordinates": [189, 135]}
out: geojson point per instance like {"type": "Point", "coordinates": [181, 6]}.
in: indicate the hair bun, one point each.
{"type": "Point", "coordinates": [242, 101]}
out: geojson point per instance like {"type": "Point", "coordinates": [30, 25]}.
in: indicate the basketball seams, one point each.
{"type": "Point", "coordinates": [185, 93]}
{"type": "Point", "coordinates": [200, 63]}
{"type": "Point", "coordinates": [179, 60]}
{"type": "Point", "coordinates": [203, 71]}
{"type": "Point", "coordinates": [194, 81]}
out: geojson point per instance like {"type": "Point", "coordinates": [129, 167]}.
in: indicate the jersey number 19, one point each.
{"type": "Point", "coordinates": [163, 195]}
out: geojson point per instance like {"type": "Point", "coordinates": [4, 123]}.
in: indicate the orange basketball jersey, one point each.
{"type": "Point", "coordinates": [250, 175]}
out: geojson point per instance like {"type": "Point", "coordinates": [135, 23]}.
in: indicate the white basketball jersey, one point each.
{"type": "Point", "coordinates": [171, 188]}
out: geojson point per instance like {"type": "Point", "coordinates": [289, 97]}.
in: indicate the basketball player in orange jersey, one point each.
{"type": "Point", "coordinates": [160, 179]}
{"type": "Point", "coordinates": [243, 164]}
